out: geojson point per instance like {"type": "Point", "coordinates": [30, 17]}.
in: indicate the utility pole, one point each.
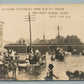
{"type": "Point", "coordinates": [58, 34]}
{"type": "Point", "coordinates": [58, 29]}
{"type": "Point", "coordinates": [30, 32]}
{"type": "Point", "coordinates": [29, 19]}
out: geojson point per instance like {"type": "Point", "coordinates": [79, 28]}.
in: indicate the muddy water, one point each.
{"type": "Point", "coordinates": [71, 63]}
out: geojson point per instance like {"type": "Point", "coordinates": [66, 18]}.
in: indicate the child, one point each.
{"type": "Point", "coordinates": [50, 74]}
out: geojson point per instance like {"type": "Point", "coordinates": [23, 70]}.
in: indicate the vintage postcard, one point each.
{"type": "Point", "coordinates": [41, 42]}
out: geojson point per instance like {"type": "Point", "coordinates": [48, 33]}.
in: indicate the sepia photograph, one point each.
{"type": "Point", "coordinates": [43, 42]}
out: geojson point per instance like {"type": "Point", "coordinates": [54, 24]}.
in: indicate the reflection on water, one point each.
{"type": "Point", "coordinates": [71, 63]}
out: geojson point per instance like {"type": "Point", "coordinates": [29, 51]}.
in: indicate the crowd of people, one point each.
{"type": "Point", "coordinates": [36, 57]}
{"type": "Point", "coordinates": [59, 53]}
{"type": "Point", "coordinates": [8, 64]}
{"type": "Point", "coordinates": [76, 75]}
{"type": "Point", "coordinates": [11, 61]}
{"type": "Point", "coordinates": [76, 52]}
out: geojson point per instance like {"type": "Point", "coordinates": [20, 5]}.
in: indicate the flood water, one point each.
{"type": "Point", "coordinates": [71, 63]}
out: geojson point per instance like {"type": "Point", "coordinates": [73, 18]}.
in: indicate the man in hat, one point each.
{"type": "Point", "coordinates": [57, 52]}
{"type": "Point", "coordinates": [50, 74]}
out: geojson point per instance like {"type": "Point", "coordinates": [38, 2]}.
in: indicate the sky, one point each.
{"type": "Point", "coordinates": [69, 17]}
